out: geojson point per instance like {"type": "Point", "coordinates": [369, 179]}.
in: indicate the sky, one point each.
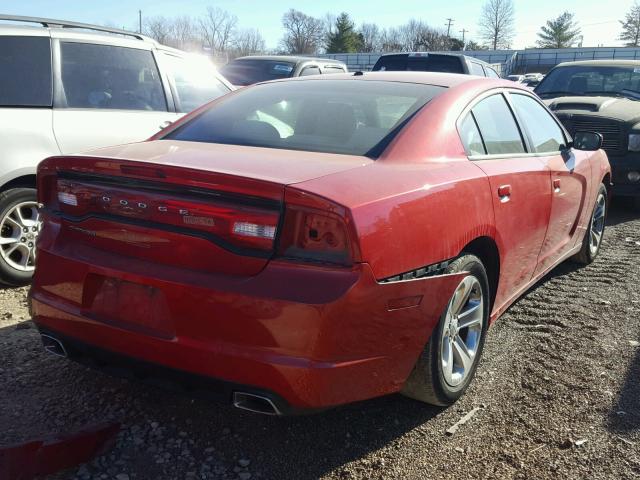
{"type": "Point", "coordinates": [599, 20]}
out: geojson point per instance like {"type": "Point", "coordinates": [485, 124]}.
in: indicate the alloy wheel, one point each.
{"type": "Point", "coordinates": [462, 331]}
{"type": "Point", "coordinates": [19, 229]}
{"type": "Point", "coordinates": [597, 224]}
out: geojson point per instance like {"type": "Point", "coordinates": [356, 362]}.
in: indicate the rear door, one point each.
{"type": "Point", "coordinates": [570, 171]}
{"type": "Point", "coordinates": [520, 186]}
{"type": "Point", "coordinates": [107, 95]}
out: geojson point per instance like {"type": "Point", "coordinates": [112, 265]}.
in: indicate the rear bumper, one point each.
{"type": "Point", "coordinates": [620, 168]}
{"type": "Point", "coordinates": [309, 337]}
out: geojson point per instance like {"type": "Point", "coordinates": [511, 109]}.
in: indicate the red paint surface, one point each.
{"type": "Point", "coordinates": [317, 335]}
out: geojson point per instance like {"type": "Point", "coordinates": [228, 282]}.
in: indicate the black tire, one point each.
{"type": "Point", "coordinates": [427, 382]}
{"type": "Point", "coordinates": [587, 253]}
{"type": "Point", "coordinates": [9, 275]}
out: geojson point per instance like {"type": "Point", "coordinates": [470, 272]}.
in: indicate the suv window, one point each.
{"type": "Point", "coordinates": [108, 77]}
{"type": "Point", "coordinates": [498, 127]}
{"type": "Point", "coordinates": [476, 69]}
{"type": "Point", "coordinates": [545, 133]}
{"type": "Point", "coordinates": [310, 71]}
{"type": "Point", "coordinates": [25, 71]}
{"type": "Point", "coordinates": [194, 81]}
{"type": "Point", "coordinates": [470, 136]}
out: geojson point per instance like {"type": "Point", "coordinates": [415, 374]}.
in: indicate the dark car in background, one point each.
{"type": "Point", "coordinates": [602, 96]}
{"type": "Point", "coordinates": [434, 62]}
{"type": "Point", "coordinates": [245, 71]}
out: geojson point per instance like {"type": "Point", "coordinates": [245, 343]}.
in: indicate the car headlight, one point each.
{"type": "Point", "coordinates": [634, 142]}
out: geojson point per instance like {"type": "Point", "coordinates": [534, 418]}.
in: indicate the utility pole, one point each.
{"type": "Point", "coordinates": [449, 23]}
{"type": "Point", "coordinates": [139, 21]}
{"type": "Point", "coordinates": [463, 31]}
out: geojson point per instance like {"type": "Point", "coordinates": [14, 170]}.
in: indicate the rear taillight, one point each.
{"type": "Point", "coordinates": [317, 230]}
{"type": "Point", "coordinates": [238, 225]}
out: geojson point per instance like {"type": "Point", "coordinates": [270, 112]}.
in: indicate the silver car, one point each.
{"type": "Point", "coordinates": [69, 87]}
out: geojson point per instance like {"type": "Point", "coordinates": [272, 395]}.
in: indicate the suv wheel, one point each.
{"type": "Point", "coordinates": [19, 229]}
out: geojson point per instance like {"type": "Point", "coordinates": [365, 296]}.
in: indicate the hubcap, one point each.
{"type": "Point", "coordinates": [462, 331]}
{"type": "Point", "coordinates": [597, 224]}
{"type": "Point", "coordinates": [19, 229]}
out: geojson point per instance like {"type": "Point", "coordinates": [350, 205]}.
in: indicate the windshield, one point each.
{"type": "Point", "coordinates": [248, 72]}
{"type": "Point", "coordinates": [590, 80]}
{"type": "Point", "coordinates": [424, 63]}
{"type": "Point", "coordinates": [332, 116]}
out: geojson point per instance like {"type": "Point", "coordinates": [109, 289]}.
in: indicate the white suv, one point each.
{"type": "Point", "coordinates": [68, 87]}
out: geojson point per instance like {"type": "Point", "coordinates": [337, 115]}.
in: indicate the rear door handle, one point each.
{"type": "Point", "coordinates": [504, 192]}
{"type": "Point", "coordinates": [556, 185]}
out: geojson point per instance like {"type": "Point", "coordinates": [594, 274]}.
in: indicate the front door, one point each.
{"type": "Point", "coordinates": [570, 171]}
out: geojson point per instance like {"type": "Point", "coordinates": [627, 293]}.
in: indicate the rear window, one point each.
{"type": "Point", "coordinates": [423, 63]}
{"type": "Point", "coordinates": [332, 116]}
{"type": "Point", "coordinates": [248, 72]}
{"type": "Point", "coordinates": [25, 71]}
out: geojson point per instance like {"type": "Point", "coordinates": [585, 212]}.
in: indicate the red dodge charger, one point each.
{"type": "Point", "coordinates": [305, 243]}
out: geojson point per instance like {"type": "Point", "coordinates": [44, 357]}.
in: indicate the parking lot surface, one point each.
{"type": "Point", "coordinates": [557, 395]}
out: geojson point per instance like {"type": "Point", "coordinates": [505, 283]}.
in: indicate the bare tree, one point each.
{"type": "Point", "coordinates": [303, 34]}
{"type": "Point", "coordinates": [217, 28]}
{"type": "Point", "coordinates": [391, 40]}
{"type": "Point", "coordinates": [185, 33]}
{"type": "Point", "coordinates": [159, 28]}
{"type": "Point", "coordinates": [416, 36]}
{"type": "Point", "coordinates": [248, 41]}
{"type": "Point", "coordinates": [497, 23]}
{"type": "Point", "coordinates": [371, 37]}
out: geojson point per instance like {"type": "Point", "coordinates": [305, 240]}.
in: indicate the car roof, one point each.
{"type": "Point", "coordinates": [15, 26]}
{"type": "Point", "coordinates": [602, 63]}
{"type": "Point", "coordinates": [290, 58]}
{"type": "Point", "coordinates": [426, 78]}
{"type": "Point", "coordinates": [446, 54]}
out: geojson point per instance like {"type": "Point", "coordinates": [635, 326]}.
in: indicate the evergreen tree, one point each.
{"type": "Point", "coordinates": [561, 32]}
{"type": "Point", "coordinates": [343, 38]}
{"type": "Point", "coordinates": [631, 27]}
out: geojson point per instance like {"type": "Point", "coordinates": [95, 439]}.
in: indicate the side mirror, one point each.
{"type": "Point", "coordinates": [589, 141]}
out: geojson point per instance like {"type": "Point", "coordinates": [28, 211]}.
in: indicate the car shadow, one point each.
{"type": "Point", "coordinates": [621, 211]}
{"type": "Point", "coordinates": [625, 415]}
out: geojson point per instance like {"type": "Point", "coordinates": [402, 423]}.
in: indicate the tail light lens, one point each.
{"type": "Point", "coordinates": [240, 226]}
{"type": "Point", "coordinates": [317, 230]}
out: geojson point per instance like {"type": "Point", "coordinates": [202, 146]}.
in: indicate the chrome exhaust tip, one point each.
{"type": "Point", "coordinates": [255, 403]}
{"type": "Point", "coordinates": [53, 345]}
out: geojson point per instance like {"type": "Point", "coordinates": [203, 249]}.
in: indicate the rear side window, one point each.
{"type": "Point", "coordinates": [470, 136]}
{"type": "Point", "coordinates": [310, 71]}
{"type": "Point", "coordinates": [194, 81]}
{"type": "Point", "coordinates": [491, 72]}
{"type": "Point", "coordinates": [476, 69]}
{"type": "Point", "coordinates": [107, 77]}
{"type": "Point", "coordinates": [25, 72]}
{"type": "Point", "coordinates": [497, 126]}
{"type": "Point", "coordinates": [546, 135]}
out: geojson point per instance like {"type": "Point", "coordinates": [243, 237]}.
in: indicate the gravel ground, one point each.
{"type": "Point", "coordinates": [557, 396]}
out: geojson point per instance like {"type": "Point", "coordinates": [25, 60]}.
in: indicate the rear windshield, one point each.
{"type": "Point", "coordinates": [25, 71]}
{"type": "Point", "coordinates": [426, 63]}
{"type": "Point", "coordinates": [248, 72]}
{"type": "Point", "coordinates": [332, 116]}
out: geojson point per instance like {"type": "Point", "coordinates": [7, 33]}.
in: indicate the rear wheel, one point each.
{"type": "Point", "coordinates": [593, 237]}
{"type": "Point", "coordinates": [448, 362]}
{"type": "Point", "coordinates": [19, 229]}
